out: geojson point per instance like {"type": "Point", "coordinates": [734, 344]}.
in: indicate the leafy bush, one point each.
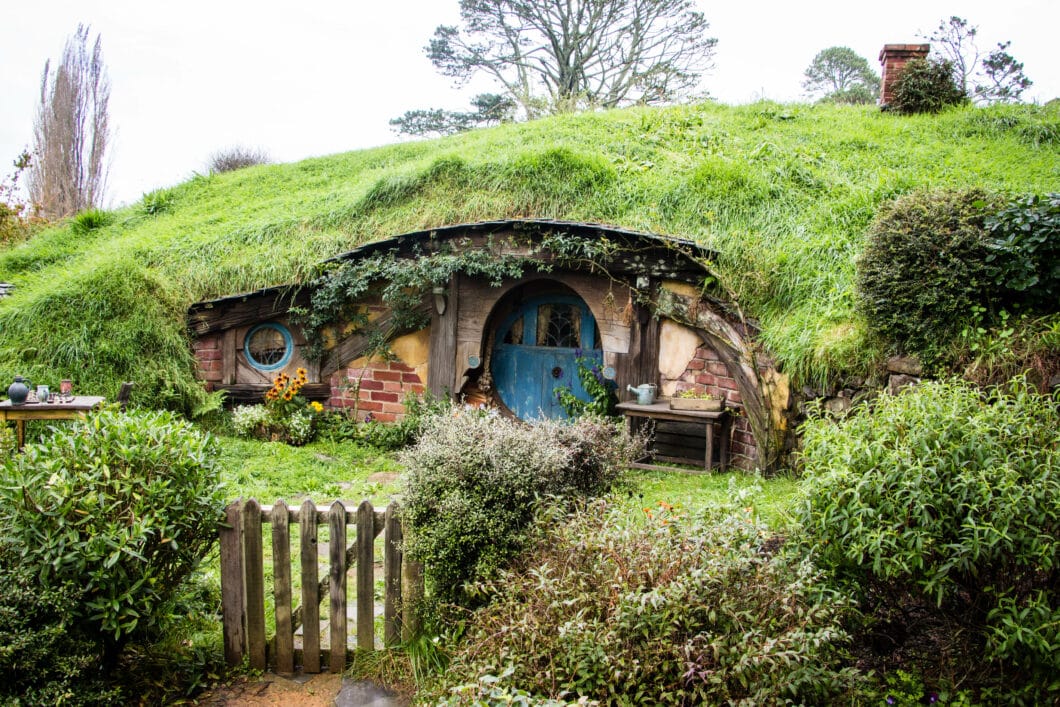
{"type": "Point", "coordinates": [945, 494]}
{"type": "Point", "coordinates": [924, 268]}
{"type": "Point", "coordinates": [1024, 245]}
{"type": "Point", "coordinates": [121, 507]}
{"type": "Point", "coordinates": [667, 609]}
{"type": "Point", "coordinates": [90, 220]}
{"type": "Point", "coordinates": [474, 482]}
{"type": "Point", "coordinates": [926, 86]}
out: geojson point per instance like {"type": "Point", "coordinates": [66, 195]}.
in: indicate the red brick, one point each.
{"type": "Point", "coordinates": [718, 368]}
{"type": "Point", "coordinates": [369, 406]}
{"type": "Point", "coordinates": [387, 375]}
{"type": "Point", "coordinates": [355, 373]}
{"type": "Point", "coordinates": [211, 365]}
{"type": "Point", "coordinates": [410, 378]}
{"type": "Point", "coordinates": [706, 379]}
{"type": "Point", "coordinates": [385, 397]}
{"type": "Point", "coordinates": [213, 376]}
{"type": "Point", "coordinates": [727, 383]}
{"type": "Point", "coordinates": [733, 396]}
{"type": "Point", "coordinates": [384, 416]}
{"type": "Point", "coordinates": [335, 402]}
{"type": "Point", "coordinates": [417, 389]}
{"type": "Point", "coordinates": [364, 394]}
{"type": "Point", "coordinates": [208, 355]}
{"type": "Point", "coordinates": [371, 385]}
{"type": "Point", "coordinates": [706, 354]}
{"type": "Point", "coordinates": [695, 364]}
{"type": "Point", "coordinates": [399, 366]}
{"type": "Point", "coordinates": [396, 408]}
{"type": "Point", "coordinates": [392, 387]}
{"type": "Point", "coordinates": [209, 342]}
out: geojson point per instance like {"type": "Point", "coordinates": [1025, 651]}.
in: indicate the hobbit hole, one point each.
{"type": "Point", "coordinates": [498, 313]}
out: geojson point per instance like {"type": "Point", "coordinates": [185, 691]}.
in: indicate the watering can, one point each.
{"type": "Point", "coordinates": [645, 393]}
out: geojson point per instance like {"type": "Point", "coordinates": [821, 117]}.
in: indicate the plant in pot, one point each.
{"type": "Point", "coordinates": [692, 399]}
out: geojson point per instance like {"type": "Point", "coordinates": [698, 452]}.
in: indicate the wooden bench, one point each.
{"type": "Point", "coordinates": [717, 424]}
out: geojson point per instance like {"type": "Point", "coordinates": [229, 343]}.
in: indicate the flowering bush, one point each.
{"type": "Point", "coordinates": [285, 417]}
{"type": "Point", "coordinates": [475, 481]}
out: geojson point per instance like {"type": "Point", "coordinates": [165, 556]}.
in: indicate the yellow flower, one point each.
{"type": "Point", "coordinates": [288, 395]}
{"type": "Point", "coordinates": [301, 372]}
{"type": "Point", "coordinates": [316, 407]}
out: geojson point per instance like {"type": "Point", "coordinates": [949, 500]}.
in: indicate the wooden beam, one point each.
{"type": "Point", "coordinates": [441, 367]}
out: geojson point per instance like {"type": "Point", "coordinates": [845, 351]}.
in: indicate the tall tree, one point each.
{"type": "Point", "coordinates": [71, 131]}
{"type": "Point", "coordinates": [557, 55]}
{"type": "Point", "coordinates": [997, 77]}
{"type": "Point", "coordinates": [840, 75]}
{"type": "Point", "coordinates": [490, 109]}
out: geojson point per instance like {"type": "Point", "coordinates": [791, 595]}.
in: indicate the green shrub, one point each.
{"type": "Point", "coordinates": [948, 498]}
{"type": "Point", "coordinates": [1024, 246]}
{"type": "Point", "coordinates": [474, 482]}
{"type": "Point", "coordinates": [924, 268]}
{"type": "Point", "coordinates": [664, 609]}
{"type": "Point", "coordinates": [90, 220]}
{"type": "Point", "coordinates": [121, 507]}
{"type": "Point", "coordinates": [926, 86]}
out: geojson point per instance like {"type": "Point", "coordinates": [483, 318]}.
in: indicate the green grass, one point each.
{"type": "Point", "coordinates": [783, 193]}
{"type": "Point", "coordinates": [322, 471]}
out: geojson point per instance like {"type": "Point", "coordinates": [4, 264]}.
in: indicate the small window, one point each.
{"type": "Point", "coordinates": [515, 332]}
{"type": "Point", "coordinates": [268, 347]}
{"type": "Point", "coordinates": [559, 326]}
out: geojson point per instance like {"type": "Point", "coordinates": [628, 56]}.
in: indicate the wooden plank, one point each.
{"type": "Point", "coordinates": [441, 366]}
{"type": "Point", "coordinates": [228, 357]}
{"type": "Point", "coordinates": [392, 538]}
{"type": "Point", "coordinates": [366, 576]}
{"type": "Point", "coordinates": [250, 393]}
{"type": "Point", "coordinates": [307, 525]}
{"type": "Point", "coordinates": [337, 587]}
{"type": "Point", "coordinates": [412, 599]}
{"type": "Point", "coordinates": [233, 607]}
{"type": "Point", "coordinates": [252, 553]}
{"type": "Point", "coordinates": [283, 660]}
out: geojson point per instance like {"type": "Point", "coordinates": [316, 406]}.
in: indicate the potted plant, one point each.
{"type": "Point", "coordinates": [695, 400]}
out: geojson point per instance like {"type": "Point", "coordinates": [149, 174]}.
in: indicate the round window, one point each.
{"type": "Point", "coordinates": [268, 347]}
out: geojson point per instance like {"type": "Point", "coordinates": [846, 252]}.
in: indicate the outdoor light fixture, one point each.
{"type": "Point", "coordinates": [439, 300]}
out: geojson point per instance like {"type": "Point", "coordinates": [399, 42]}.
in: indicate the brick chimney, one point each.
{"type": "Point", "coordinates": [893, 57]}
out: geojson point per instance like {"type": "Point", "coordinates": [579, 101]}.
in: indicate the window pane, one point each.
{"type": "Point", "coordinates": [267, 346]}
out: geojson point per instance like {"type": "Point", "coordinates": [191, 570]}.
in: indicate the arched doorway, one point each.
{"type": "Point", "coordinates": [535, 351]}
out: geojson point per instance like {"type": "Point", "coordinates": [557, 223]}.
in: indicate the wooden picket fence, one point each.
{"type": "Point", "coordinates": [243, 584]}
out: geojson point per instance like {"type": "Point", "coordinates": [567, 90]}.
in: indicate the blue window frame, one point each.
{"type": "Point", "coordinates": [268, 347]}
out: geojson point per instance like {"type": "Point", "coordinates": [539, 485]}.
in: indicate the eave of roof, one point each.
{"type": "Point", "coordinates": [479, 227]}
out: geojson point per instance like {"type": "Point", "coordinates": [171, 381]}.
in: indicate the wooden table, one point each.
{"type": "Point", "coordinates": [46, 411]}
{"type": "Point", "coordinates": [661, 411]}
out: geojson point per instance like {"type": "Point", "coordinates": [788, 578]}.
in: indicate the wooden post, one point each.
{"type": "Point", "coordinates": [392, 575]}
{"type": "Point", "coordinates": [252, 554]}
{"type": "Point", "coordinates": [283, 661]}
{"type": "Point", "coordinates": [412, 588]}
{"type": "Point", "coordinates": [337, 588]}
{"type": "Point", "coordinates": [441, 368]}
{"type": "Point", "coordinates": [366, 576]}
{"type": "Point", "coordinates": [307, 524]}
{"type": "Point", "coordinates": [233, 596]}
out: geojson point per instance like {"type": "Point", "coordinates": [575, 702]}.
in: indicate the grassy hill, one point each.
{"type": "Point", "coordinates": [783, 192]}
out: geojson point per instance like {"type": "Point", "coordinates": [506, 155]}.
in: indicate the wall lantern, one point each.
{"type": "Point", "coordinates": [439, 300]}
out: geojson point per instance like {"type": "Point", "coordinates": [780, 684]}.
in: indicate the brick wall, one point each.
{"type": "Point", "coordinates": [207, 352]}
{"type": "Point", "coordinates": [376, 388]}
{"type": "Point", "coordinates": [706, 373]}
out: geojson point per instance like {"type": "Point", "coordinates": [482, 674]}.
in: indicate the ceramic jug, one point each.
{"type": "Point", "coordinates": [18, 391]}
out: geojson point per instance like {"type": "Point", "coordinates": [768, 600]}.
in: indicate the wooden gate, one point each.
{"type": "Point", "coordinates": [243, 583]}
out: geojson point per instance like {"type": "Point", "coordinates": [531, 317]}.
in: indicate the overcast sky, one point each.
{"type": "Point", "coordinates": [317, 77]}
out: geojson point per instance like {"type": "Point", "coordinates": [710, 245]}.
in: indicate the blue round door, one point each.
{"type": "Point", "coordinates": [537, 350]}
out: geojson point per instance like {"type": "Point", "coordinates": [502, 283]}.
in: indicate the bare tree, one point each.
{"type": "Point", "coordinates": [998, 77]}
{"type": "Point", "coordinates": [71, 131]}
{"type": "Point", "coordinates": [555, 55]}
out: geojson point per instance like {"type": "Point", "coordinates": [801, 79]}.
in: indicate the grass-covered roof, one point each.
{"type": "Point", "coordinates": [783, 193]}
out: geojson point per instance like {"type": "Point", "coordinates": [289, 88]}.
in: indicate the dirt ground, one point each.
{"type": "Point", "coordinates": [271, 689]}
